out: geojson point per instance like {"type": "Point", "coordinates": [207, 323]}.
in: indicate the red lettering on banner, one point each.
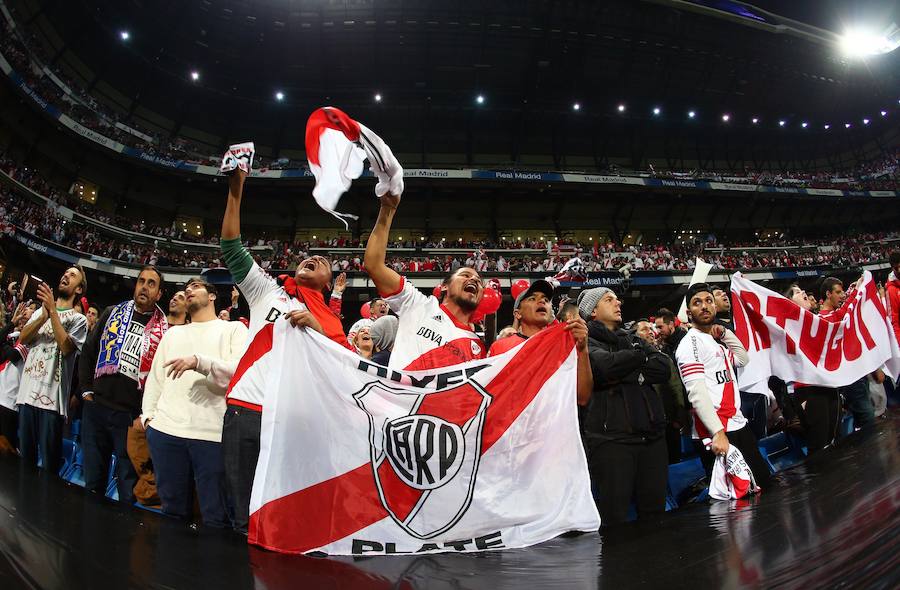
{"type": "Point", "coordinates": [867, 337]}
{"type": "Point", "coordinates": [811, 346]}
{"type": "Point", "coordinates": [781, 310]}
{"type": "Point", "coordinates": [851, 345]}
{"type": "Point", "coordinates": [835, 352]}
{"type": "Point", "coordinates": [756, 323]}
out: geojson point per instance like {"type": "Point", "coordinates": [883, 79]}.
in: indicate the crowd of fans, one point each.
{"type": "Point", "coordinates": [27, 57]}
{"type": "Point", "coordinates": [530, 255]}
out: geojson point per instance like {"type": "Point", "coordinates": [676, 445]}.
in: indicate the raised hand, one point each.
{"type": "Point", "coordinates": [45, 296]}
{"type": "Point", "coordinates": [340, 283]}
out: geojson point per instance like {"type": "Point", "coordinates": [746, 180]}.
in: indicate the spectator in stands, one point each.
{"type": "Point", "coordinates": [53, 335]}
{"type": "Point", "coordinates": [377, 308]}
{"type": "Point", "coordinates": [532, 312]}
{"type": "Point", "coordinates": [723, 308]}
{"type": "Point", "coordinates": [362, 340]}
{"type": "Point", "coordinates": [112, 370]}
{"type": "Point", "coordinates": [625, 424]}
{"type": "Point", "coordinates": [12, 361]}
{"type": "Point", "coordinates": [704, 359]}
{"type": "Point", "coordinates": [177, 315]}
{"type": "Point", "coordinates": [892, 292]}
{"type": "Point", "coordinates": [856, 395]}
{"type": "Point", "coordinates": [668, 332]}
{"type": "Point", "coordinates": [92, 314]}
{"type": "Point", "coordinates": [431, 333]}
{"type": "Point", "coordinates": [302, 300]}
{"type": "Point", "coordinates": [671, 392]}
{"type": "Point", "coordinates": [383, 333]}
{"type": "Point", "coordinates": [183, 409]}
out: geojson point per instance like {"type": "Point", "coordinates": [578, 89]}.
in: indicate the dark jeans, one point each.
{"type": "Point", "coordinates": [104, 432]}
{"type": "Point", "coordinates": [856, 397]}
{"type": "Point", "coordinates": [9, 426]}
{"type": "Point", "coordinates": [755, 408]}
{"type": "Point", "coordinates": [240, 449]}
{"type": "Point", "coordinates": [746, 443]}
{"type": "Point", "coordinates": [39, 428]}
{"type": "Point", "coordinates": [821, 415]}
{"type": "Point", "coordinates": [622, 472]}
{"type": "Point", "coordinates": [175, 459]}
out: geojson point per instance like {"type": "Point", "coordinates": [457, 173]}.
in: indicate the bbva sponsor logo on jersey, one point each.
{"type": "Point", "coordinates": [425, 452]}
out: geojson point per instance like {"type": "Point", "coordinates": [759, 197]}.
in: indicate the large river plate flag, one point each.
{"type": "Point", "coordinates": [357, 459]}
{"type": "Point", "coordinates": [791, 343]}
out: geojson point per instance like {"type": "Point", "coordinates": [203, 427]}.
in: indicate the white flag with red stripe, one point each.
{"type": "Point", "coordinates": [791, 343]}
{"type": "Point", "coordinates": [357, 459]}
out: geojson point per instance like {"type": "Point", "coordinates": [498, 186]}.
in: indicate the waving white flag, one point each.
{"type": "Point", "coordinates": [357, 459]}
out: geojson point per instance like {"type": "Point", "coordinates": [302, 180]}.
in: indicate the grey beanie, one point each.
{"type": "Point", "coordinates": [588, 300]}
{"type": "Point", "coordinates": [384, 332]}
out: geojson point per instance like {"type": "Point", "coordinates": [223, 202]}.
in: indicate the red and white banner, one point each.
{"type": "Point", "coordinates": [796, 345]}
{"type": "Point", "coordinates": [357, 459]}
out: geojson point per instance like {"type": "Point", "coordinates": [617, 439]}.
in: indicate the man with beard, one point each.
{"type": "Point", "coordinates": [177, 315]}
{"type": "Point", "coordinates": [302, 301]}
{"type": "Point", "coordinates": [625, 423]}
{"type": "Point", "coordinates": [432, 333]}
{"type": "Point", "coordinates": [669, 334]}
{"type": "Point", "coordinates": [182, 408]}
{"type": "Point", "coordinates": [707, 357]}
{"type": "Point", "coordinates": [112, 369]}
{"type": "Point", "coordinates": [53, 335]}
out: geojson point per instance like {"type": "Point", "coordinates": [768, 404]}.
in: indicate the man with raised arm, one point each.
{"type": "Point", "coordinates": [431, 333]}
{"type": "Point", "coordinates": [300, 300]}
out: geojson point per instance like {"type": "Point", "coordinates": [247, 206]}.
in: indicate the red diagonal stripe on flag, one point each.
{"type": "Point", "coordinates": [335, 508]}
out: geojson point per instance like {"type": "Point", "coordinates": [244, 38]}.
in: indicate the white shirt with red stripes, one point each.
{"type": "Point", "coordinates": [700, 356]}
{"type": "Point", "coordinates": [429, 336]}
{"type": "Point", "coordinates": [268, 301]}
{"type": "Point", "coordinates": [11, 376]}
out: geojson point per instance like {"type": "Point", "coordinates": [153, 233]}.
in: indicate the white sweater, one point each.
{"type": "Point", "coordinates": [191, 406]}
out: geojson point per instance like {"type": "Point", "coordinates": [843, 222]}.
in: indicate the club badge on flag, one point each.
{"type": "Point", "coordinates": [482, 455]}
{"type": "Point", "coordinates": [336, 147]}
{"type": "Point", "coordinates": [240, 156]}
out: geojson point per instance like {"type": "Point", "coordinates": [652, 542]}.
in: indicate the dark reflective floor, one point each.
{"type": "Point", "coordinates": [831, 522]}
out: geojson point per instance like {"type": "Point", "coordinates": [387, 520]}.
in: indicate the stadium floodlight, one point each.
{"type": "Point", "coordinates": [621, 108]}
{"type": "Point", "coordinates": [804, 124]}
{"type": "Point", "coordinates": [479, 99]}
{"type": "Point", "coordinates": [576, 107]}
{"type": "Point", "coordinates": [377, 97]}
{"type": "Point", "coordinates": [195, 75]}
{"type": "Point", "coordinates": [726, 117]}
{"type": "Point", "coordinates": [125, 35]}
{"type": "Point", "coordinates": [860, 43]}
{"type": "Point", "coordinates": [827, 126]}
{"type": "Point", "coordinates": [754, 120]}
{"type": "Point", "coordinates": [691, 114]}
{"type": "Point", "coordinates": [279, 95]}
{"type": "Point", "coordinates": [657, 111]}
{"type": "Point", "coordinates": [884, 113]}
{"type": "Point", "coordinates": [865, 121]}
{"type": "Point", "coordinates": [847, 125]}
{"type": "Point", "coordinates": [782, 123]}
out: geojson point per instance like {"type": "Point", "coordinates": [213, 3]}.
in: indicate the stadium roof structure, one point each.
{"type": "Point", "coordinates": [210, 71]}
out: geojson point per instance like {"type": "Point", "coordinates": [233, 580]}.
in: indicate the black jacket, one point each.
{"type": "Point", "coordinates": [624, 405]}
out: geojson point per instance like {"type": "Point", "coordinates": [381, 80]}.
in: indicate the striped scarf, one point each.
{"type": "Point", "coordinates": [113, 339]}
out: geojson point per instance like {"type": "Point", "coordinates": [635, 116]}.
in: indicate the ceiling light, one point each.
{"type": "Point", "coordinates": [124, 35]}
{"type": "Point", "coordinates": [621, 108]}
{"type": "Point", "coordinates": [691, 114]}
{"type": "Point", "coordinates": [195, 75]}
{"type": "Point", "coordinates": [726, 117]}
{"type": "Point", "coordinates": [576, 107]}
{"type": "Point", "coordinates": [754, 120]}
{"type": "Point", "coordinates": [804, 124]}
{"type": "Point", "coordinates": [657, 110]}
{"type": "Point", "coordinates": [479, 99]}
{"type": "Point", "coordinates": [884, 113]}
{"type": "Point", "coordinates": [279, 95]}
{"type": "Point", "coordinates": [865, 121]}
{"type": "Point", "coordinates": [782, 123]}
{"type": "Point", "coordinates": [827, 126]}
{"type": "Point", "coordinates": [847, 125]}
{"type": "Point", "coordinates": [378, 97]}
